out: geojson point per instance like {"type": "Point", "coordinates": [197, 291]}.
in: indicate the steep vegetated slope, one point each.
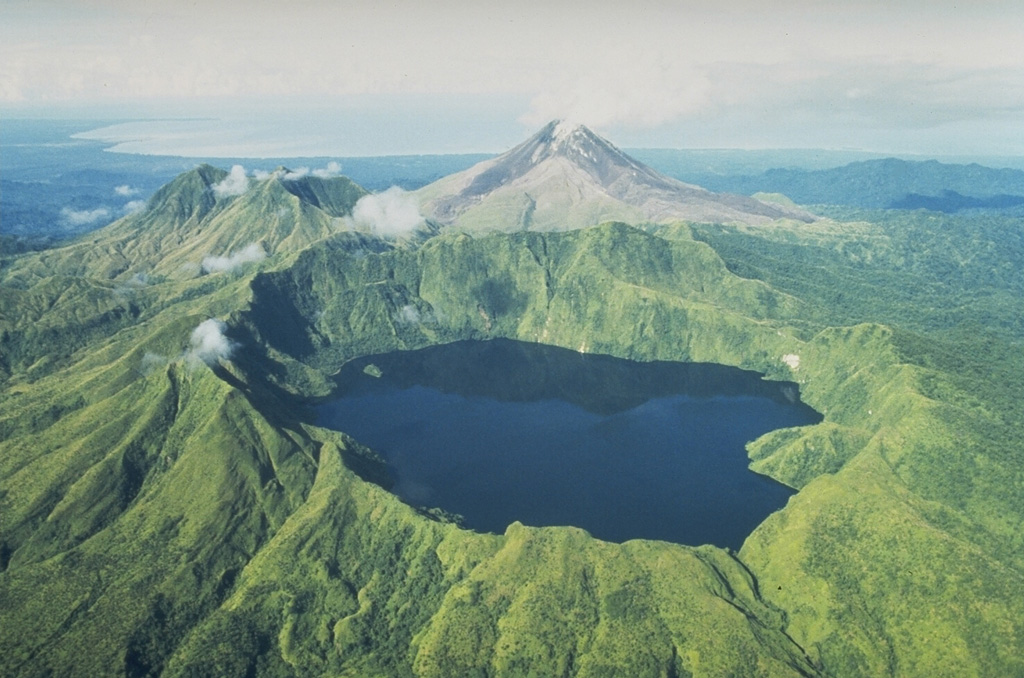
{"type": "Point", "coordinates": [168, 508]}
{"type": "Point", "coordinates": [204, 214]}
{"type": "Point", "coordinates": [205, 224]}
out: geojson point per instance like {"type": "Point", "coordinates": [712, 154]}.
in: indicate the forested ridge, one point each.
{"type": "Point", "coordinates": [168, 507]}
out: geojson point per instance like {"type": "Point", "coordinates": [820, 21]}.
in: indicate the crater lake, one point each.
{"type": "Point", "coordinates": [502, 431]}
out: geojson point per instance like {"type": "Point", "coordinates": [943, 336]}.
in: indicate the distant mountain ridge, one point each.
{"type": "Point", "coordinates": [195, 217]}
{"type": "Point", "coordinates": [566, 177]}
{"type": "Point", "coordinates": [888, 183]}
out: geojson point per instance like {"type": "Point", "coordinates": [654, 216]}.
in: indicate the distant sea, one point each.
{"type": "Point", "coordinates": [63, 178]}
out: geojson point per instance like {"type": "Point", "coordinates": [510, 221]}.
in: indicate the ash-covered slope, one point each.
{"type": "Point", "coordinates": [566, 177]}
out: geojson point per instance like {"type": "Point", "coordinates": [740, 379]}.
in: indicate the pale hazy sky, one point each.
{"type": "Point", "coordinates": [924, 76]}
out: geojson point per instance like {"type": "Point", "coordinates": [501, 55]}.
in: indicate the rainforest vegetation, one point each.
{"type": "Point", "coordinates": [169, 507]}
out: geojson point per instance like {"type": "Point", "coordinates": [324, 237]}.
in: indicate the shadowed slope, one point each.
{"type": "Point", "coordinates": [190, 233]}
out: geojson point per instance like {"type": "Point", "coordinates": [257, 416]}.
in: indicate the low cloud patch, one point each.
{"type": "Point", "coordinates": [134, 206]}
{"type": "Point", "coordinates": [75, 218]}
{"type": "Point", "coordinates": [296, 174]}
{"type": "Point", "coordinates": [126, 191]}
{"type": "Point", "coordinates": [208, 343]}
{"type": "Point", "coordinates": [332, 170]}
{"type": "Point", "coordinates": [390, 214]}
{"type": "Point", "coordinates": [249, 254]}
{"type": "Point", "coordinates": [235, 183]}
{"type": "Point", "coordinates": [410, 315]}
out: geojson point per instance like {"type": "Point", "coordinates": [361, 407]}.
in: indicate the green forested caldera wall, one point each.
{"type": "Point", "coordinates": [161, 516]}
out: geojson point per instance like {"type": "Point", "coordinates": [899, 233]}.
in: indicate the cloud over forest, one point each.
{"type": "Point", "coordinates": [251, 253]}
{"type": "Point", "coordinates": [133, 206]}
{"type": "Point", "coordinates": [295, 174]}
{"type": "Point", "coordinates": [331, 170]}
{"type": "Point", "coordinates": [75, 218]}
{"type": "Point", "coordinates": [208, 343]}
{"type": "Point", "coordinates": [410, 315]}
{"type": "Point", "coordinates": [235, 183]}
{"type": "Point", "coordinates": [390, 214]}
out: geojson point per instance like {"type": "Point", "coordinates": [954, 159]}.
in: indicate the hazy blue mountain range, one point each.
{"type": "Point", "coordinates": [889, 183]}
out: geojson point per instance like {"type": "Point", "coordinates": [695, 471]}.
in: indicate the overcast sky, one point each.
{"type": "Point", "coordinates": [926, 76]}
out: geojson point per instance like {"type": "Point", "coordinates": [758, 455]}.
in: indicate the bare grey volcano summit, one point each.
{"type": "Point", "coordinates": [566, 177]}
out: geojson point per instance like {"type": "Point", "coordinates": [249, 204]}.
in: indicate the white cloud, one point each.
{"type": "Point", "coordinates": [235, 183]}
{"type": "Point", "coordinates": [408, 315]}
{"type": "Point", "coordinates": [152, 361]}
{"type": "Point", "coordinates": [389, 214]}
{"type": "Point", "coordinates": [332, 170]}
{"type": "Point", "coordinates": [73, 217]}
{"type": "Point", "coordinates": [295, 175]}
{"type": "Point", "coordinates": [134, 206]}
{"type": "Point", "coordinates": [209, 344]}
{"type": "Point", "coordinates": [250, 253]}
{"type": "Point", "coordinates": [126, 191]}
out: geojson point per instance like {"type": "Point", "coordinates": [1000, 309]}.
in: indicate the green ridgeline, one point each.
{"type": "Point", "coordinates": [164, 516]}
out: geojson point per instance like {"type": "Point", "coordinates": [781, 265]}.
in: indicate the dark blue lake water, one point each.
{"type": "Point", "coordinates": [500, 431]}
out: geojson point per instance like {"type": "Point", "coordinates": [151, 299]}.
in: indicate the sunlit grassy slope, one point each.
{"type": "Point", "coordinates": [164, 516]}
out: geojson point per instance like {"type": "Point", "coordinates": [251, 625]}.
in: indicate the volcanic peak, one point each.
{"type": "Point", "coordinates": [558, 141]}
{"type": "Point", "coordinates": [565, 176]}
